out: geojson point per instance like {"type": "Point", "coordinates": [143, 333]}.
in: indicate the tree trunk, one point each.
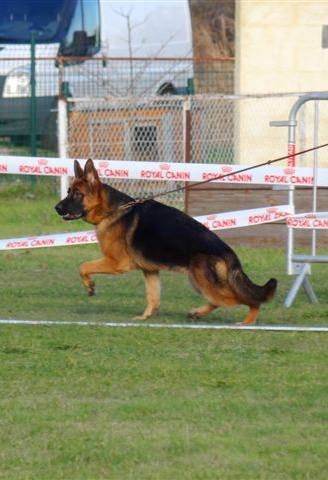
{"type": "Point", "coordinates": [213, 27]}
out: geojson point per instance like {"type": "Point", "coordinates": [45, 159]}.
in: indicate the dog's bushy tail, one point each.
{"type": "Point", "coordinates": [248, 292]}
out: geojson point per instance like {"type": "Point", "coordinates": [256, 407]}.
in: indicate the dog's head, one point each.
{"type": "Point", "coordinates": [83, 196]}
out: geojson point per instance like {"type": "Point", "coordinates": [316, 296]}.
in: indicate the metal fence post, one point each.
{"type": "Point", "coordinates": [33, 116]}
{"type": "Point", "coordinates": [62, 125]}
{"type": "Point", "coordinates": [315, 171]}
{"type": "Point", "coordinates": [291, 162]}
{"type": "Point", "coordinates": [186, 142]}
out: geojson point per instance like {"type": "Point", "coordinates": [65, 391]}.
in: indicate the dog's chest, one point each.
{"type": "Point", "coordinates": [111, 238]}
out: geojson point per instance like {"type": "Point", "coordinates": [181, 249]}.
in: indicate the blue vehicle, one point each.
{"type": "Point", "coordinates": [71, 28]}
{"type": "Point", "coordinates": [61, 27]}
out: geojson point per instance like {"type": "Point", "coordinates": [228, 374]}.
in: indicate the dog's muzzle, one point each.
{"type": "Point", "coordinates": [62, 211]}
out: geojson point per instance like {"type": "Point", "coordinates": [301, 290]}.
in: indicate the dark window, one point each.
{"type": "Point", "coordinates": [145, 142]}
{"type": "Point", "coordinates": [324, 36]}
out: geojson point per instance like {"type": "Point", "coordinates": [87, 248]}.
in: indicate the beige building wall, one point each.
{"type": "Point", "coordinates": [279, 46]}
{"type": "Point", "coordinates": [279, 50]}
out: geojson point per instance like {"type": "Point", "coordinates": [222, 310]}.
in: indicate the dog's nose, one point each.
{"type": "Point", "coordinates": [59, 208]}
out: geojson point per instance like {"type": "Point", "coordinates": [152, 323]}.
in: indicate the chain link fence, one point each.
{"type": "Point", "coordinates": [220, 129]}
{"type": "Point", "coordinates": [25, 133]}
{"type": "Point", "coordinates": [115, 112]}
{"type": "Point", "coordinates": [92, 78]}
{"type": "Point", "coordinates": [15, 100]}
{"type": "Point", "coordinates": [120, 77]}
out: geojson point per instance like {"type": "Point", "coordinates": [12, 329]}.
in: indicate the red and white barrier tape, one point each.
{"type": "Point", "coordinates": [218, 221]}
{"type": "Point", "coordinates": [245, 218]}
{"type": "Point", "coordinates": [187, 172]}
{"type": "Point", "coordinates": [317, 220]}
{"type": "Point", "coordinates": [51, 240]}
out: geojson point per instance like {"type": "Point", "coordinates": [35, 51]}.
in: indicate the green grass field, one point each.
{"type": "Point", "coordinates": [98, 403]}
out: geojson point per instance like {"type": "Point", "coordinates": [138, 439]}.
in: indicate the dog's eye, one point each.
{"type": "Point", "coordinates": [77, 194]}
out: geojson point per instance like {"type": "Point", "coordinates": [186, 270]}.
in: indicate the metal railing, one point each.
{"type": "Point", "coordinates": [299, 264]}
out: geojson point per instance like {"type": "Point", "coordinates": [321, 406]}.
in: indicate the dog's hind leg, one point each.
{"type": "Point", "coordinates": [210, 279]}
{"type": "Point", "coordinates": [251, 317]}
{"type": "Point", "coordinates": [199, 281]}
{"type": "Point", "coordinates": [153, 292]}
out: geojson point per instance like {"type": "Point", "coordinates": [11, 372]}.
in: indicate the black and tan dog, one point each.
{"type": "Point", "coordinates": [150, 236]}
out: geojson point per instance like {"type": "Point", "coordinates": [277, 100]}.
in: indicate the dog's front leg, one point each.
{"type": "Point", "coordinates": [153, 292]}
{"type": "Point", "coordinates": [103, 265]}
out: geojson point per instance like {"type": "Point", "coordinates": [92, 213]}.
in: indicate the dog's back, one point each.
{"type": "Point", "coordinates": [167, 235]}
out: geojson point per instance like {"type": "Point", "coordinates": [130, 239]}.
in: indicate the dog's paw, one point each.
{"type": "Point", "coordinates": [141, 317]}
{"type": "Point", "coordinates": [193, 315]}
{"type": "Point", "coordinates": [91, 289]}
{"type": "Point", "coordinates": [145, 316]}
{"type": "Point", "coordinates": [245, 324]}
{"type": "Point", "coordinates": [148, 313]}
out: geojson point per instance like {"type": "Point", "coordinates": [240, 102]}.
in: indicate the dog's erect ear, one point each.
{"type": "Point", "coordinates": [78, 171]}
{"type": "Point", "coordinates": [91, 173]}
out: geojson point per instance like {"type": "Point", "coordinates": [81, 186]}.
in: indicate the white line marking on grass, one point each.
{"type": "Point", "coordinates": [186, 326]}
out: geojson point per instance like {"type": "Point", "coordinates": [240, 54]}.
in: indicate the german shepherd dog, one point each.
{"type": "Point", "coordinates": [151, 236]}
